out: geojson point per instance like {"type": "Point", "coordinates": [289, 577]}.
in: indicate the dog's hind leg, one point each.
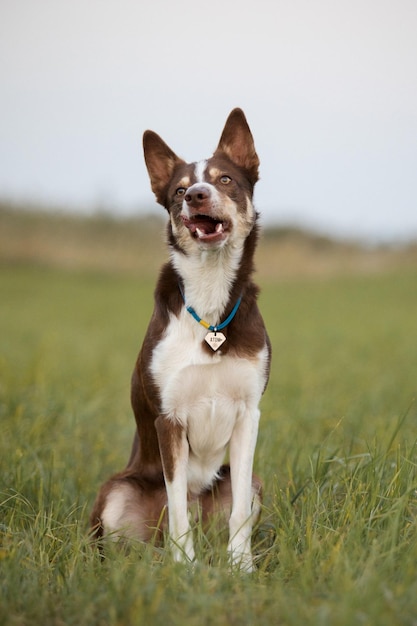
{"type": "Point", "coordinates": [127, 508]}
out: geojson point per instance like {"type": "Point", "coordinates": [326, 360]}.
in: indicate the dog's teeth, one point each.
{"type": "Point", "coordinates": [199, 232]}
{"type": "Point", "coordinates": [219, 227]}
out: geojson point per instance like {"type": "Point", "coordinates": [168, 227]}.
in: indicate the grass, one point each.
{"type": "Point", "coordinates": [337, 542]}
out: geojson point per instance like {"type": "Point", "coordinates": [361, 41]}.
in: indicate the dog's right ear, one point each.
{"type": "Point", "coordinates": [161, 162]}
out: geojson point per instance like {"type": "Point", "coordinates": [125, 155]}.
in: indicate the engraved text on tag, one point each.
{"type": "Point", "coordinates": [215, 340]}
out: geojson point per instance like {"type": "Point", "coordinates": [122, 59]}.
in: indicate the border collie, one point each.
{"type": "Point", "coordinates": [204, 362]}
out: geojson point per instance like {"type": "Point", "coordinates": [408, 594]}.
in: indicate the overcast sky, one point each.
{"type": "Point", "coordinates": [329, 89]}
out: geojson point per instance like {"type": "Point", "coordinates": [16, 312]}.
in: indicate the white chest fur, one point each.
{"type": "Point", "coordinates": [206, 393]}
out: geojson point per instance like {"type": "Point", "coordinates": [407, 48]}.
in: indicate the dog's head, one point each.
{"type": "Point", "coordinates": [209, 202]}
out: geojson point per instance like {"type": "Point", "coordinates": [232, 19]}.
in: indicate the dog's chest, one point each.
{"type": "Point", "coordinates": [205, 392]}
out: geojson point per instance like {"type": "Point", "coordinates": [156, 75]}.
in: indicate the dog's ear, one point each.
{"type": "Point", "coordinates": [161, 162]}
{"type": "Point", "coordinates": [237, 143]}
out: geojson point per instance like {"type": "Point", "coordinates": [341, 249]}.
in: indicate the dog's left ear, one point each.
{"type": "Point", "coordinates": [237, 143]}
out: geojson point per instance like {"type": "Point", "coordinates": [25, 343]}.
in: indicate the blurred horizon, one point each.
{"type": "Point", "coordinates": [158, 214]}
{"type": "Point", "coordinates": [108, 242]}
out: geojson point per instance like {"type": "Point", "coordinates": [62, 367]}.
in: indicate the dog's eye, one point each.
{"type": "Point", "coordinates": [225, 180]}
{"type": "Point", "coordinates": [180, 191]}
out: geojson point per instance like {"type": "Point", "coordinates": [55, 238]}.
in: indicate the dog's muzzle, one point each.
{"type": "Point", "coordinates": [199, 216]}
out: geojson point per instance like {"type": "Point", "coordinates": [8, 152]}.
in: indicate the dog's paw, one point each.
{"type": "Point", "coordinates": [182, 550]}
{"type": "Point", "coordinates": [241, 562]}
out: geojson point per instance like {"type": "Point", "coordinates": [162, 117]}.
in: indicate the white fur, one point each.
{"type": "Point", "coordinates": [207, 280]}
{"type": "Point", "coordinates": [113, 511]}
{"type": "Point", "coordinates": [199, 170]}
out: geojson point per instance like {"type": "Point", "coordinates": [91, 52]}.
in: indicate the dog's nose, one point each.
{"type": "Point", "coordinates": [197, 194]}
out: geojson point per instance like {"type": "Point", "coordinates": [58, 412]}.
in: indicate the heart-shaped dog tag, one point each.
{"type": "Point", "coordinates": [215, 340]}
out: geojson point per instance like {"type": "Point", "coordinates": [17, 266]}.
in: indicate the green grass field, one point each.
{"type": "Point", "coordinates": [337, 542]}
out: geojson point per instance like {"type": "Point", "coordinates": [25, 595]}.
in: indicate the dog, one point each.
{"type": "Point", "coordinates": [204, 363]}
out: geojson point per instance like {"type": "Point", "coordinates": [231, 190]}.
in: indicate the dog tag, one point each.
{"type": "Point", "coordinates": [215, 340]}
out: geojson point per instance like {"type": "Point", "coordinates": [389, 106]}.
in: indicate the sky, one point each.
{"type": "Point", "coordinates": [329, 89]}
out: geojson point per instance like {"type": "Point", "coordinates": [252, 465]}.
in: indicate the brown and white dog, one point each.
{"type": "Point", "coordinates": [204, 363]}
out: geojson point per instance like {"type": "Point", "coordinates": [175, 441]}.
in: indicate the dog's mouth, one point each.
{"type": "Point", "coordinates": [205, 228]}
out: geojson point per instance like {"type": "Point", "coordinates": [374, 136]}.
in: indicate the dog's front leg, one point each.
{"type": "Point", "coordinates": [174, 450]}
{"type": "Point", "coordinates": [242, 450]}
